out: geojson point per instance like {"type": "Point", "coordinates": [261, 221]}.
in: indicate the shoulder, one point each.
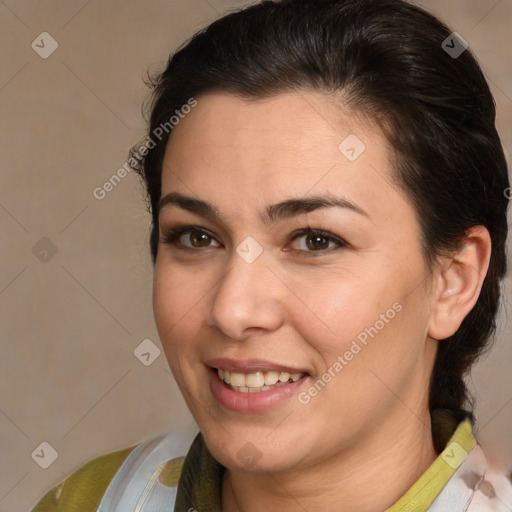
{"type": "Point", "coordinates": [477, 485]}
{"type": "Point", "coordinates": [493, 492]}
{"type": "Point", "coordinates": [84, 489]}
{"type": "Point", "coordinates": [117, 480]}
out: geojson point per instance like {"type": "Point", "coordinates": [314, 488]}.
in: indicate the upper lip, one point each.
{"type": "Point", "coordinates": [251, 365]}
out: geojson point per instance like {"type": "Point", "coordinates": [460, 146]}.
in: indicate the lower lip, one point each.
{"type": "Point", "coordinates": [238, 401]}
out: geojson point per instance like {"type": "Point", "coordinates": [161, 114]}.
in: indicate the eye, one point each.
{"type": "Point", "coordinates": [305, 241]}
{"type": "Point", "coordinates": [189, 237]}
{"type": "Point", "coordinates": [315, 240]}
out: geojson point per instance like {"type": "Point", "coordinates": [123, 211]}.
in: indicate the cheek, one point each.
{"type": "Point", "coordinates": [176, 309]}
{"type": "Point", "coordinates": [332, 311]}
{"type": "Point", "coordinates": [381, 357]}
{"type": "Point", "coordinates": [366, 317]}
{"type": "Point", "coordinates": [176, 292]}
{"type": "Point", "coordinates": [176, 302]}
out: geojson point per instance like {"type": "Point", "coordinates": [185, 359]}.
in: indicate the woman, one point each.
{"type": "Point", "coordinates": [328, 237]}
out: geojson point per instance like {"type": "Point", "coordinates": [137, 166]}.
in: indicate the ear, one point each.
{"type": "Point", "coordinates": [459, 282]}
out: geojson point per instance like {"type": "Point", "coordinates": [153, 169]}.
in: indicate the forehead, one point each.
{"type": "Point", "coordinates": [293, 143]}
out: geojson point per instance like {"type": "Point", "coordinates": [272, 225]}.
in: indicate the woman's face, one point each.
{"type": "Point", "coordinates": [342, 310]}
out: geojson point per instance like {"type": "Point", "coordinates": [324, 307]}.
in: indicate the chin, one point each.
{"type": "Point", "coordinates": [252, 452]}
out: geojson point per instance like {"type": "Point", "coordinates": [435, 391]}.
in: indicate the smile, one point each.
{"type": "Point", "coordinates": [256, 381]}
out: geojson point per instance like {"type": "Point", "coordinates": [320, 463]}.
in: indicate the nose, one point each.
{"type": "Point", "coordinates": [247, 298]}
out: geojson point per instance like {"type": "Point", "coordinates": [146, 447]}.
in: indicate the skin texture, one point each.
{"type": "Point", "coordinates": [365, 438]}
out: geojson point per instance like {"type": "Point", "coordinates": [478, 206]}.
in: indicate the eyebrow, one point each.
{"type": "Point", "coordinates": [273, 213]}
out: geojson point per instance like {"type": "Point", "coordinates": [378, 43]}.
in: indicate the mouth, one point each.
{"type": "Point", "coordinates": [257, 381]}
{"type": "Point", "coordinates": [248, 386]}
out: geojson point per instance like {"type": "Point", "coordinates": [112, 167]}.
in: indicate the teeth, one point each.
{"type": "Point", "coordinates": [237, 379]}
{"type": "Point", "coordinates": [257, 381]}
{"type": "Point", "coordinates": [254, 380]}
{"type": "Point", "coordinates": [271, 378]}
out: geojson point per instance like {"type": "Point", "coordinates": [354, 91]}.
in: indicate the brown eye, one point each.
{"type": "Point", "coordinates": [188, 237]}
{"type": "Point", "coordinates": [311, 240]}
{"type": "Point", "coordinates": [199, 238]}
{"type": "Point", "coordinates": [315, 242]}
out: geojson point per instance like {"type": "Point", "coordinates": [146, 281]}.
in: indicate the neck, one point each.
{"type": "Point", "coordinates": [369, 478]}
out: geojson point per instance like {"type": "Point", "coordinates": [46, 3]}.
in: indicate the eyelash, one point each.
{"type": "Point", "coordinates": [171, 238]}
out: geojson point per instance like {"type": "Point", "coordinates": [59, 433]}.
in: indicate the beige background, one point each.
{"type": "Point", "coordinates": [69, 325]}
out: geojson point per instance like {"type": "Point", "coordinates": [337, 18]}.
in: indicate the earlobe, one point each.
{"type": "Point", "coordinates": [459, 283]}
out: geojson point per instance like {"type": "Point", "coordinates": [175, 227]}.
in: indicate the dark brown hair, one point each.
{"type": "Point", "coordinates": [387, 60]}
